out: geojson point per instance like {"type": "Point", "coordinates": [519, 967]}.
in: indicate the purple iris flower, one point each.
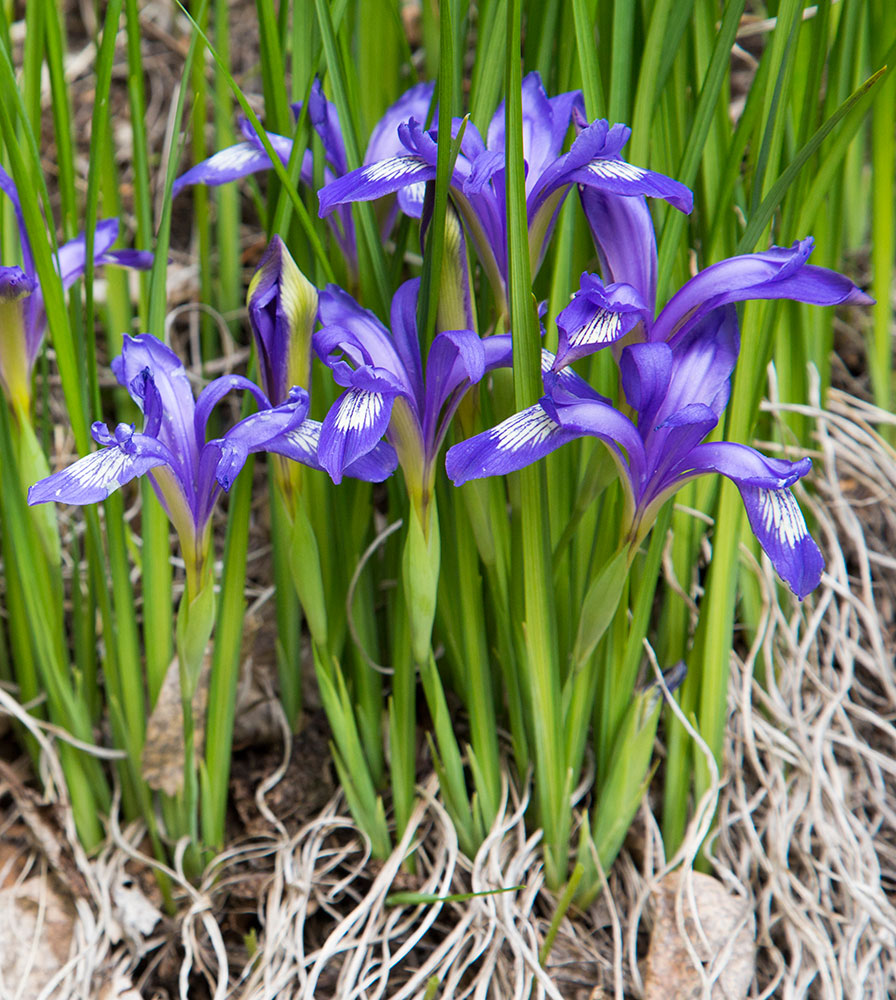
{"type": "Point", "coordinates": [250, 156]}
{"type": "Point", "coordinates": [675, 374]}
{"type": "Point", "coordinates": [282, 311]}
{"type": "Point", "coordinates": [21, 301]}
{"type": "Point", "coordinates": [187, 472]}
{"type": "Point", "coordinates": [678, 394]}
{"type": "Point", "coordinates": [477, 183]}
{"type": "Point", "coordinates": [387, 389]}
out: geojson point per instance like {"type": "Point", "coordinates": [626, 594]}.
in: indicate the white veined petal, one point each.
{"type": "Point", "coordinates": [416, 192]}
{"type": "Point", "coordinates": [306, 437]}
{"type": "Point", "coordinates": [617, 170]}
{"type": "Point", "coordinates": [602, 328]}
{"type": "Point", "coordinates": [781, 517]}
{"type": "Point", "coordinates": [233, 158]}
{"type": "Point", "coordinates": [394, 166]}
{"type": "Point", "coordinates": [526, 429]}
{"type": "Point", "coordinates": [90, 479]}
{"type": "Point", "coordinates": [358, 410]}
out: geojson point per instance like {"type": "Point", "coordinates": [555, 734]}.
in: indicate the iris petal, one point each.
{"type": "Point", "coordinates": [780, 527]}
{"type": "Point", "coordinates": [94, 477]}
{"type": "Point", "coordinates": [513, 444]}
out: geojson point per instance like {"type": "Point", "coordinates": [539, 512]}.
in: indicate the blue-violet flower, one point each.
{"type": "Point", "coordinates": [675, 375]}
{"type": "Point", "coordinates": [250, 156]}
{"type": "Point", "coordinates": [477, 183]}
{"type": "Point", "coordinates": [187, 472]}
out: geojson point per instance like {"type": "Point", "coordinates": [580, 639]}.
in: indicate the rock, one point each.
{"type": "Point", "coordinates": [721, 932]}
{"type": "Point", "coordinates": [36, 929]}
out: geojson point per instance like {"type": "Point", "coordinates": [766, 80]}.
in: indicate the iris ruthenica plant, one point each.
{"type": "Point", "coordinates": [675, 372]}
{"type": "Point", "coordinates": [477, 181]}
{"type": "Point", "coordinates": [187, 472]}
{"type": "Point", "coordinates": [524, 597]}
{"type": "Point", "coordinates": [250, 156]}
{"type": "Point", "coordinates": [389, 391]}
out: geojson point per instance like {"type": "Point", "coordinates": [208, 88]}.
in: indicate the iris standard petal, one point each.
{"type": "Point", "coordinates": [325, 119]}
{"type": "Point", "coordinates": [215, 391]}
{"type": "Point", "coordinates": [176, 394]}
{"type": "Point", "coordinates": [414, 103]}
{"type": "Point", "coordinates": [646, 370]}
{"type": "Point", "coordinates": [546, 121]}
{"type": "Point", "coordinates": [403, 320]}
{"type": "Point", "coordinates": [456, 361]}
{"type": "Point", "coordinates": [626, 244]}
{"type": "Point", "coordinates": [72, 255]}
{"type": "Point", "coordinates": [704, 358]}
{"type": "Point", "coordinates": [778, 273]}
{"type": "Point", "coordinates": [348, 328]}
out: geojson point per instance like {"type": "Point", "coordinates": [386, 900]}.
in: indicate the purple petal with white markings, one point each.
{"type": "Point", "coordinates": [513, 444]}
{"type": "Point", "coordinates": [596, 317]}
{"type": "Point", "coordinates": [374, 181]}
{"type": "Point", "coordinates": [780, 527]}
{"type": "Point", "coordinates": [99, 474]}
{"type": "Point", "coordinates": [593, 161]}
{"type": "Point", "coordinates": [227, 165]}
{"type": "Point", "coordinates": [352, 427]}
{"type": "Point", "coordinates": [301, 445]}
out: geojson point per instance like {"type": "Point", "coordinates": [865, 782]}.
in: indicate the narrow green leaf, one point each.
{"type": "Point", "coordinates": [429, 899]}
{"type": "Point", "coordinates": [761, 217]}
